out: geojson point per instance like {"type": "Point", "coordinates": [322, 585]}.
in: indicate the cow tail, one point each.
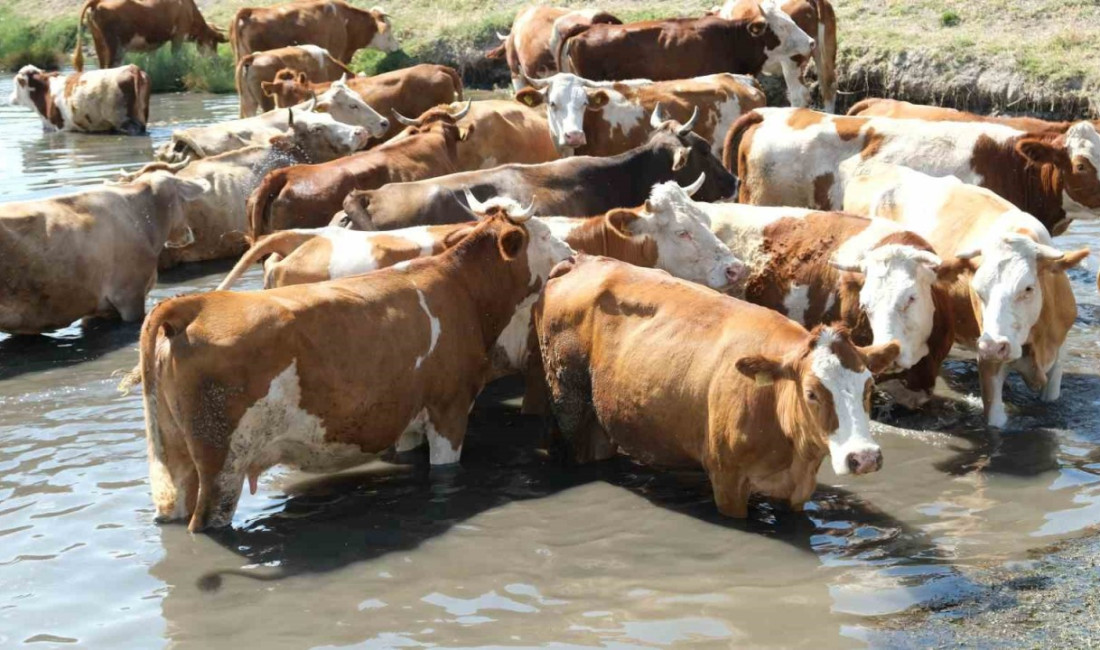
{"type": "Point", "coordinates": [142, 89]}
{"type": "Point", "coordinates": [283, 242]}
{"type": "Point", "coordinates": [259, 203]}
{"type": "Point", "coordinates": [235, 33]}
{"type": "Point", "coordinates": [78, 53]}
{"type": "Point", "coordinates": [457, 80]}
{"type": "Point", "coordinates": [733, 139]}
{"type": "Point", "coordinates": [825, 53]}
{"type": "Point", "coordinates": [243, 64]}
{"type": "Point", "coordinates": [170, 317]}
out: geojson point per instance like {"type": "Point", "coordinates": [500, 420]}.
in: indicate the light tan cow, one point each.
{"type": "Point", "coordinates": [234, 383]}
{"type": "Point", "coordinates": [1013, 304]}
{"type": "Point", "coordinates": [310, 60]}
{"type": "Point", "coordinates": [88, 254]}
{"type": "Point", "coordinates": [116, 99]}
{"type": "Point", "coordinates": [332, 24]}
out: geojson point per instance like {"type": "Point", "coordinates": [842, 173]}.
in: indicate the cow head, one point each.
{"type": "Point", "coordinates": [1077, 158]}
{"type": "Point", "coordinates": [691, 156]}
{"type": "Point", "coordinates": [783, 38]}
{"type": "Point", "coordinates": [896, 295]}
{"type": "Point", "coordinates": [384, 39]}
{"type": "Point", "coordinates": [206, 36]}
{"type": "Point", "coordinates": [567, 98]}
{"type": "Point", "coordinates": [29, 83]}
{"type": "Point", "coordinates": [681, 236]}
{"type": "Point", "coordinates": [439, 119]}
{"type": "Point", "coordinates": [1007, 290]}
{"type": "Point", "coordinates": [544, 250]}
{"type": "Point", "coordinates": [345, 105]}
{"type": "Point", "coordinates": [288, 88]}
{"type": "Point", "coordinates": [829, 397]}
{"type": "Point", "coordinates": [170, 192]}
{"type": "Point", "coordinates": [319, 137]}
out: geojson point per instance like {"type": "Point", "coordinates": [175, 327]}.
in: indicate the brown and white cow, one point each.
{"type": "Point", "coordinates": [101, 100]}
{"type": "Point", "coordinates": [332, 24]}
{"type": "Point", "coordinates": [879, 107]}
{"type": "Point", "coordinates": [681, 48]}
{"type": "Point", "coordinates": [577, 186]}
{"type": "Point", "coordinates": [678, 375]}
{"type": "Point", "coordinates": [531, 47]}
{"type": "Point", "coordinates": [881, 281]}
{"type": "Point", "coordinates": [799, 157]}
{"type": "Point", "coordinates": [409, 91]}
{"type": "Point", "coordinates": [1013, 304]}
{"type": "Point", "coordinates": [306, 196]}
{"type": "Point", "coordinates": [119, 26]}
{"type": "Point", "coordinates": [88, 254]}
{"type": "Point", "coordinates": [816, 18]}
{"type": "Point", "coordinates": [313, 61]}
{"type": "Point", "coordinates": [604, 118]}
{"type": "Point", "coordinates": [235, 383]}
{"type": "Point", "coordinates": [321, 135]}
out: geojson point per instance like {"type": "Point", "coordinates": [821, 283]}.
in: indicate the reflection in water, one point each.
{"type": "Point", "coordinates": [511, 548]}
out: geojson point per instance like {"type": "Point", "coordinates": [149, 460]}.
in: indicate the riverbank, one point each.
{"type": "Point", "coordinates": [1030, 56]}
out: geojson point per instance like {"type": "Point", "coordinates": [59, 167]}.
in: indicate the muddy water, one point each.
{"type": "Point", "coordinates": [511, 549]}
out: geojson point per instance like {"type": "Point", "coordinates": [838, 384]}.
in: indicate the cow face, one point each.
{"type": "Point", "coordinates": [792, 41]}
{"type": "Point", "coordinates": [1077, 157]}
{"type": "Point", "coordinates": [1008, 292]}
{"type": "Point", "coordinates": [28, 78]}
{"type": "Point", "coordinates": [692, 156]}
{"type": "Point", "coordinates": [320, 137]}
{"type": "Point", "coordinates": [686, 247]}
{"type": "Point", "coordinates": [832, 394]}
{"type": "Point", "coordinates": [567, 98]}
{"type": "Point", "coordinates": [384, 39]}
{"type": "Point", "coordinates": [345, 105]}
{"type": "Point", "coordinates": [544, 249]}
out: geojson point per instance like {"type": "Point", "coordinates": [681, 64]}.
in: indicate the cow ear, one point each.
{"type": "Point", "coordinates": [268, 88]}
{"type": "Point", "coordinates": [757, 27]}
{"type": "Point", "coordinates": [948, 271]}
{"type": "Point", "coordinates": [189, 190]}
{"type": "Point", "coordinates": [763, 369]}
{"type": "Point", "coordinates": [512, 242]}
{"type": "Point", "coordinates": [598, 100]}
{"type": "Point", "coordinates": [302, 78]}
{"type": "Point", "coordinates": [457, 235]}
{"type": "Point", "coordinates": [1068, 260]}
{"type": "Point", "coordinates": [879, 357]}
{"type": "Point", "coordinates": [464, 132]}
{"type": "Point", "coordinates": [530, 96]}
{"type": "Point", "coordinates": [1039, 152]}
{"type": "Point", "coordinates": [621, 221]}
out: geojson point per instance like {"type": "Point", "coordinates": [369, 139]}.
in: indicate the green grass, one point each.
{"type": "Point", "coordinates": [23, 42]}
{"type": "Point", "coordinates": [188, 69]}
{"type": "Point", "coordinates": [950, 18]}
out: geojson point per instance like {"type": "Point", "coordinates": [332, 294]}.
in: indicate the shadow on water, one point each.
{"type": "Point", "coordinates": [74, 345]}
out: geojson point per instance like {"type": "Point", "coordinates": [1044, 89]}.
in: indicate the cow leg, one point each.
{"type": "Point", "coordinates": [1052, 390]}
{"type": "Point", "coordinates": [445, 430]}
{"type": "Point", "coordinates": [797, 92]}
{"type": "Point", "coordinates": [731, 492]}
{"type": "Point", "coordinates": [174, 483]}
{"type": "Point", "coordinates": [992, 376]}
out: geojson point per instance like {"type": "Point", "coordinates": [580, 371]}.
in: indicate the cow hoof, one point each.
{"type": "Point", "coordinates": [997, 417]}
{"type": "Point", "coordinates": [1051, 393]}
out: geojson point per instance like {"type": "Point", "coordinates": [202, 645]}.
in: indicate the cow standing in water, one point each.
{"type": "Point", "coordinates": [98, 101]}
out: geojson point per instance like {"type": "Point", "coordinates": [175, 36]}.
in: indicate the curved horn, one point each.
{"type": "Point", "coordinates": [343, 79]}
{"type": "Point", "coordinates": [404, 120]}
{"type": "Point", "coordinates": [502, 37]}
{"type": "Point", "coordinates": [475, 206]}
{"type": "Point", "coordinates": [690, 190]}
{"type": "Point", "coordinates": [845, 266]}
{"type": "Point", "coordinates": [687, 126]}
{"type": "Point", "coordinates": [290, 117]}
{"type": "Point", "coordinates": [969, 255]}
{"type": "Point", "coordinates": [525, 214]}
{"type": "Point", "coordinates": [535, 83]}
{"type": "Point", "coordinates": [656, 119]}
{"type": "Point", "coordinates": [175, 167]}
{"type": "Point", "coordinates": [312, 102]}
{"type": "Point", "coordinates": [462, 113]}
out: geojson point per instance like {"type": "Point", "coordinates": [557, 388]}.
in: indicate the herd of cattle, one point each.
{"type": "Point", "coordinates": [678, 271]}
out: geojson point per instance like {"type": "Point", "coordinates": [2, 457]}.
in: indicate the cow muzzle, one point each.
{"type": "Point", "coordinates": [574, 139]}
{"type": "Point", "coordinates": [864, 461]}
{"type": "Point", "coordinates": [994, 348]}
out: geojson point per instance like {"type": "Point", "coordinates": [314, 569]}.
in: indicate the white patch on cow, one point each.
{"type": "Point", "coordinates": [727, 112]}
{"type": "Point", "coordinates": [434, 325]}
{"type": "Point", "coordinates": [318, 53]}
{"type": "Point", "coordinates": [797, 301]}
{"type": "Point", "coordinates": [440, 450]}
{"type": "Point", "coordinates": [414, 434]}
{"type": "Point", "coordinates": [347, 107]}
{"type": "Point", "coordinates": [1007, 284]}
{"type": "Point", "coordinates": [419, 235]}
{"type": "Point", "coordinates": [57, 92]}
{"type": "Point", "coordinates": [997, 417]}
{"type": "Point", "coordinates": [792, 40]}
{"type": "Point", "coordinates": [853, 435]}
{"type": "Point", "coordinates": [351, 252]}
{"type": "Point", "coordinates": [897, 298]}
{"type": "Point", "coordinates": [402, 266]}
{"type": "Point", "coordinates": [623, 115]}
{"type": "Point", "coordinates": [511, 345]}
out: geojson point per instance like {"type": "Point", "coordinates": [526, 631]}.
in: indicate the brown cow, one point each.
{"type": "Point", "coordinates": [502, 132]}
{"type": "Point", "coordinates": [256, 68]}
{"type": "Point", "coordinates": [119, 26]}
{"type": "Point", "coordinates": [116, 99]}
{"type": "Point", "coordinates": [306, 196]}
{"type": "Point", "coordinates": [878, 107]}
{"type": "Point", "coordinates": [409, 91]}
{"type": "Point", "coordinates": [816, 18]}
{"type": "Point", "coordinates": [234, 383]}
{"type": "Point", "coordinates": [332, 24]}
{"type": "Point", "coordinates": [799, 157]}
{"type": "Point", "coordinates": [531, 47]}
{"type": "Point", "coordinates": [675, 374]}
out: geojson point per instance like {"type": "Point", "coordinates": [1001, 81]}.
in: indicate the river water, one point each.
{"type": "Point", "coordinates": [511, 550]}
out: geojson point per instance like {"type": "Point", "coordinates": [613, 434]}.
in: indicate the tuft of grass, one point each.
{"type": "Point", "coordinates": [187, 69]}
{"type": "Point", "coordinates": [950, 18]}
{"type": "Point", "coordinates": [45, 45]}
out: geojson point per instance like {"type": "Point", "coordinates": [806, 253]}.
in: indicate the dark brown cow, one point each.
{"type": "Point", "coordinates": [254, 69]}
{"type": "Point", "coordinates": [116, 99]}
{"type": "Point", "coordinates": [572, 187]}
{"type": "Point", "coordinates": [878, 107]}
{"type": "Point", "coordinates": [119, 26]}
{"type": "Point", "coordinates": [306, 196]}
{"type": "Point", "coordinates": [332, 24]}
{"type": "Point", "coordinates": [409, 91]}
{"type": "Point", "coordinates": [678, 375]}
{"type": "Point", "coordinates": [531, 47]}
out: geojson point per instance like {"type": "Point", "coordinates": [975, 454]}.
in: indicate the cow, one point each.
{"type": "Point", "coordinates": [679, 375]}
{"type": "Point", "coordinates": [321, 135]}
{"type": "Point", "coordinates": [574, 187]}
{"type": "Point", "coordinates": [258, 67]}
{"type": "Point", "coordinates": [113, 100]}
{"type": "Point", "coordinates": [119, 26]}
{"type": "Point", "coordinates": [409, 91]}
{"type": "Point", "coordinates": [681, 48]}
{"type": "Point", "coordinates": [305, 196]}
{"type": "Point", "coordinates": [884, 283]}
{"type": "Point", "coordinates": [799, 157]}
{"type": "Point", "coordinates": [878, 107]}
{"type": "Point", "coordinates": [90, 254]}
{"type": "Point", "coordinates": [816, 18]}
{"type": "Point", "coordinates": [332, 24]}
{"type": "Point", "coordinates": [1013, 302]}
{"type": "Point", "coordinates": [531, 47]}
{"type": "Point", "coordinates": [235, 383]}
{"type": "Point", "coordinates": [503, 131]}
{"type": "Point", "coordinates": [604, 118]}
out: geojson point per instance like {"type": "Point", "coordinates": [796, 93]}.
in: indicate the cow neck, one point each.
{"type": "Point", "coordinates": [156, 229]}
{"type": "Point", "coordinates": [39, 87]}
{"type": "Point", "coordinates": [1033, 189]}
{"type": "Point", "coordinates": [596, 237]}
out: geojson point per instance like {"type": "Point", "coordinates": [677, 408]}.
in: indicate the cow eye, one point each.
{"type": "Point", "coordinates": [811, 396]}
{"type": "Point", "coordinates": [683, 234]}
{"type": "Point", "coordinates": [1079, 168]}
{"type": "Point", "coordinates": [553, 104]}
{"type": "Point", "coordinates": [1028, 291]}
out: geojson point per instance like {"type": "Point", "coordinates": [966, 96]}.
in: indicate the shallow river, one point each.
{"type": "Point", "coordinates": [511, 550]}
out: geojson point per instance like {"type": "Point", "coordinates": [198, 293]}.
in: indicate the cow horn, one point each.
{"type": "Point", "coordinates": [690, 190]}
{"type": "Point", "coordinates": [502, 37]}
{"type": "Point", "coordinates": [535, 83]}
{"type": "Point", "coordinates": [312, 102]}
{"type": "Point", "coordinates": [845, 266]}
{"type": "Point", "coordinates": [656, 119]}
{"type": "Point", "coordinates": [969, 255]}
{"type": "Point", "coordinates": [1049, 252]}
{"type": "Point", "coordinates": [462, 113]}
{"type": "Point", "coordinates": [175, 167]}
{"type": "Point", "coordinates": [524, 214]}
{"type": "Point", "coordinates": [404, 120]}
{"type": "Point", "coordinates": [477, 207]}
{"type": "Point", "coordinates": [687, 126]}
{"type": "Point", "coordinates": [343, 79]}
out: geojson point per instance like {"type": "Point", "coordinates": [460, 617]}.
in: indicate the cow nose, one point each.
{"type": "Point", "coordinates": [575, 139]}
{"type": "Point", "coordinates": [734, 272]}
{"type": "Point", "coordinates": [994, 349]}
{"type": "Point", "coordinates": [384, 123]}
{"type": "Point", "coordinates": [864, 462]}
{"type": "Point", "coordinates": [812, 43]}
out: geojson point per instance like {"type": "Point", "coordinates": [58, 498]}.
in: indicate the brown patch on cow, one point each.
{"type": "Point", "coordinates": [848, 128]}
{"type": "Point", "coordinates": [1035, 189]}
{"type": "Point", "coordinates": [804, 118]}
{"type": "Point", "coordinates": [388, 250]}
{"type": "Point", "coordinates": [1082, 183]}
{"type": "Point", "coordinates": [822, 185]}
{"type": "Point", "coordinates": [871, 144]}
{"type": "Point", "coordinates": [71, 82]}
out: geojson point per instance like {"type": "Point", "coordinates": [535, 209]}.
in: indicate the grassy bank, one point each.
{"type": "Point", "coordinates": [1007, 55]}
